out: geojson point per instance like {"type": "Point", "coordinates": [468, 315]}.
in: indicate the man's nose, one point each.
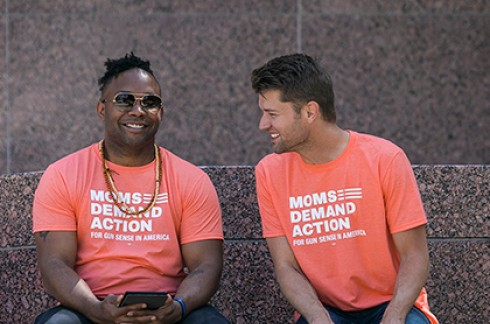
{"type": "Point", "coordinates": [264, 123]}
{"type": "Point", "coordinates": [137, 108]}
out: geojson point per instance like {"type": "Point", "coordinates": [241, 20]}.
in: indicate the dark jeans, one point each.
{"type": "Point", "coordinates": [61, 315]}
{"type": "Point", "coordinates": [369, 316]}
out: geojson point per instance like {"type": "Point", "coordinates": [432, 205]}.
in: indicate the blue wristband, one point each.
{"type": "Point", "coordinates": [181, 302]}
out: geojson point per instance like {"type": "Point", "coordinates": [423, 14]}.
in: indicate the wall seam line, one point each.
{"type": "Point", "coordinates": [8, 143]}
{"type": "Point", "coordinates": [299, 13]}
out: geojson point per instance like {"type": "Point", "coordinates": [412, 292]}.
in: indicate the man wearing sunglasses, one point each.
{"type": "Point", "coordinates": [125, 215]}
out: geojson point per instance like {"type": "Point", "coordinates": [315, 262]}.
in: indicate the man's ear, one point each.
{"type": "Point", "coordinates": [162, 113]}
{"type": "Point", "coordinates": [312, 110]}
{"type": "Point", "coordinates": [100, 110]}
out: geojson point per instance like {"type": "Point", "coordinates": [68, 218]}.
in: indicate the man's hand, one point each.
{"type": "Point", "coordinates": [169, 313]}
{"type": "Point", "coordinates": [108, 310]}
{"type": "Point", "coordinates": [393, 316]}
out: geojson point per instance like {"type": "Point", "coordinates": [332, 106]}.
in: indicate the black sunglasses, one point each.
{"type": "Point", "coordinates": [126, 101]}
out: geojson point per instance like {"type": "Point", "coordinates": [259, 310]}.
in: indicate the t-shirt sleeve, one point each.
{"type": "Point", "coordinates": [201, 213]}
{"type": "Point", "coordinates": [271, 226]}
{"type": "Point", "coordinates": [404, 208]}
{"type": "Point", "coordinates": [52, 209]}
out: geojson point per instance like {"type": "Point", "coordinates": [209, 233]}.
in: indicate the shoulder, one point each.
{"type": "Point", "coordinates": [275, 167]}
{"type": "Point", "coordinates": [381, 155]}
{"type": "Point", "coordinates": [179, 166]}
{"type": "Point", "coordinates": [68, 172]}
{"type": "Point", "coordinates": [68, 162]}
{"type": "Point", "coordinates": [275, 161]}
{"type": "Point", "coordinates": [376, 146]}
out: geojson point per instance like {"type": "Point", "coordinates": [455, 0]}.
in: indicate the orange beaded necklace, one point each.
{"type": "Point", "coordinates": [111, 187]}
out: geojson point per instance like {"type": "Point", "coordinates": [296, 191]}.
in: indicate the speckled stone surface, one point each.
{"type": "Point", "coordinates": [22, 296]}
{"type": "Point", "coordinates": [16, 196]}
{"type": "Point", "coordinates": [412, 71]}
{"type": "Point", "coordinates": [419, 78]}
{"type": "Point", "coordinates": [455, 198]}
{"type": "Point", "coordinates": [249, 292]}
{"type": "Point", "coordinates": [3, 97]}
{"type": "Point", "coordinates": [201, 56]}
{"type": "Point", "coordinates": [459, 280]}
{"type": "Point", "coordinates": [236, 191]}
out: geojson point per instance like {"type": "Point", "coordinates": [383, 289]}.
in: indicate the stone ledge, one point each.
{"type": "Point", "coordinates": [456, 199]}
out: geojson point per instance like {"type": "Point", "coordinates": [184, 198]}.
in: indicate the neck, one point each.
{"type": "Point", "coordinates": [325, 145]}
{"type": "Point", "coordinates": [128, 155]}
{"type": "Point", "coordinates": [111, 186]}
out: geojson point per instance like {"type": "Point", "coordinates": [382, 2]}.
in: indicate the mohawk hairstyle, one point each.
{"type": "Point", "coordinates": [114, 67]}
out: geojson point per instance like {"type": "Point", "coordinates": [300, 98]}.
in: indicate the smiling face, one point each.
{"type": "Point", "coordinates": [287, 128]}
{"type": "Point", "coordinates": [135, 127]}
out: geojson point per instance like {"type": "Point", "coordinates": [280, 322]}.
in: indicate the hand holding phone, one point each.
{"type": "Point", "coordinates": [152, 299]}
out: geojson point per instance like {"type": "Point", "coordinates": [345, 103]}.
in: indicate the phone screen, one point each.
{"type": "Point", "coordinates": [153, 300]}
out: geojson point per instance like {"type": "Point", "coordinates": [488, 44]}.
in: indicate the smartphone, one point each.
{"type": "Point", "coordinates": [152, 299]}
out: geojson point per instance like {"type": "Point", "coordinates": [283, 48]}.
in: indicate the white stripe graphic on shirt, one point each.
{"type": "Point", "coordinates": [353, 193]}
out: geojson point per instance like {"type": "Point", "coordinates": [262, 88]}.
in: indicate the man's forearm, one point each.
{"type": "Point", "coordinates": [301, 295]}
{"type": "Point", "coordinates": [412, 273]}
{"type": "Point", "coordinates": [412, 277]}
{"type": "Point", "coordinates": [199, 286]}
{"type": "Point", "coordinates": [64, 284]}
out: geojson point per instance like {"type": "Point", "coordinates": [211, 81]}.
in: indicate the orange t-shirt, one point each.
{"type": "Point", "coordinates": [118, 253]}
{"type": "Point", "coordinates": [338, 218]}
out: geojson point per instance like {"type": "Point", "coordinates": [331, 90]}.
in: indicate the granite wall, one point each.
{"type": "Point", "coordinates": [415, 72]}
{"type": "Point", "coordinates": [456, 199]}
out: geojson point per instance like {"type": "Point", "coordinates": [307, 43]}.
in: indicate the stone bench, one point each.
{"type": "Point", "coordinates": [456, 200]}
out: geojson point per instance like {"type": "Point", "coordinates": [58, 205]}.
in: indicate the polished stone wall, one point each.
{"type": "Point", "coordinates": [456, 199]}
{"type": "Point", "coordinates": [415, 72]}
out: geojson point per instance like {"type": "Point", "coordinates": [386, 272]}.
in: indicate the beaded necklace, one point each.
{"type": "Point", "coordinates": [111, 187]}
